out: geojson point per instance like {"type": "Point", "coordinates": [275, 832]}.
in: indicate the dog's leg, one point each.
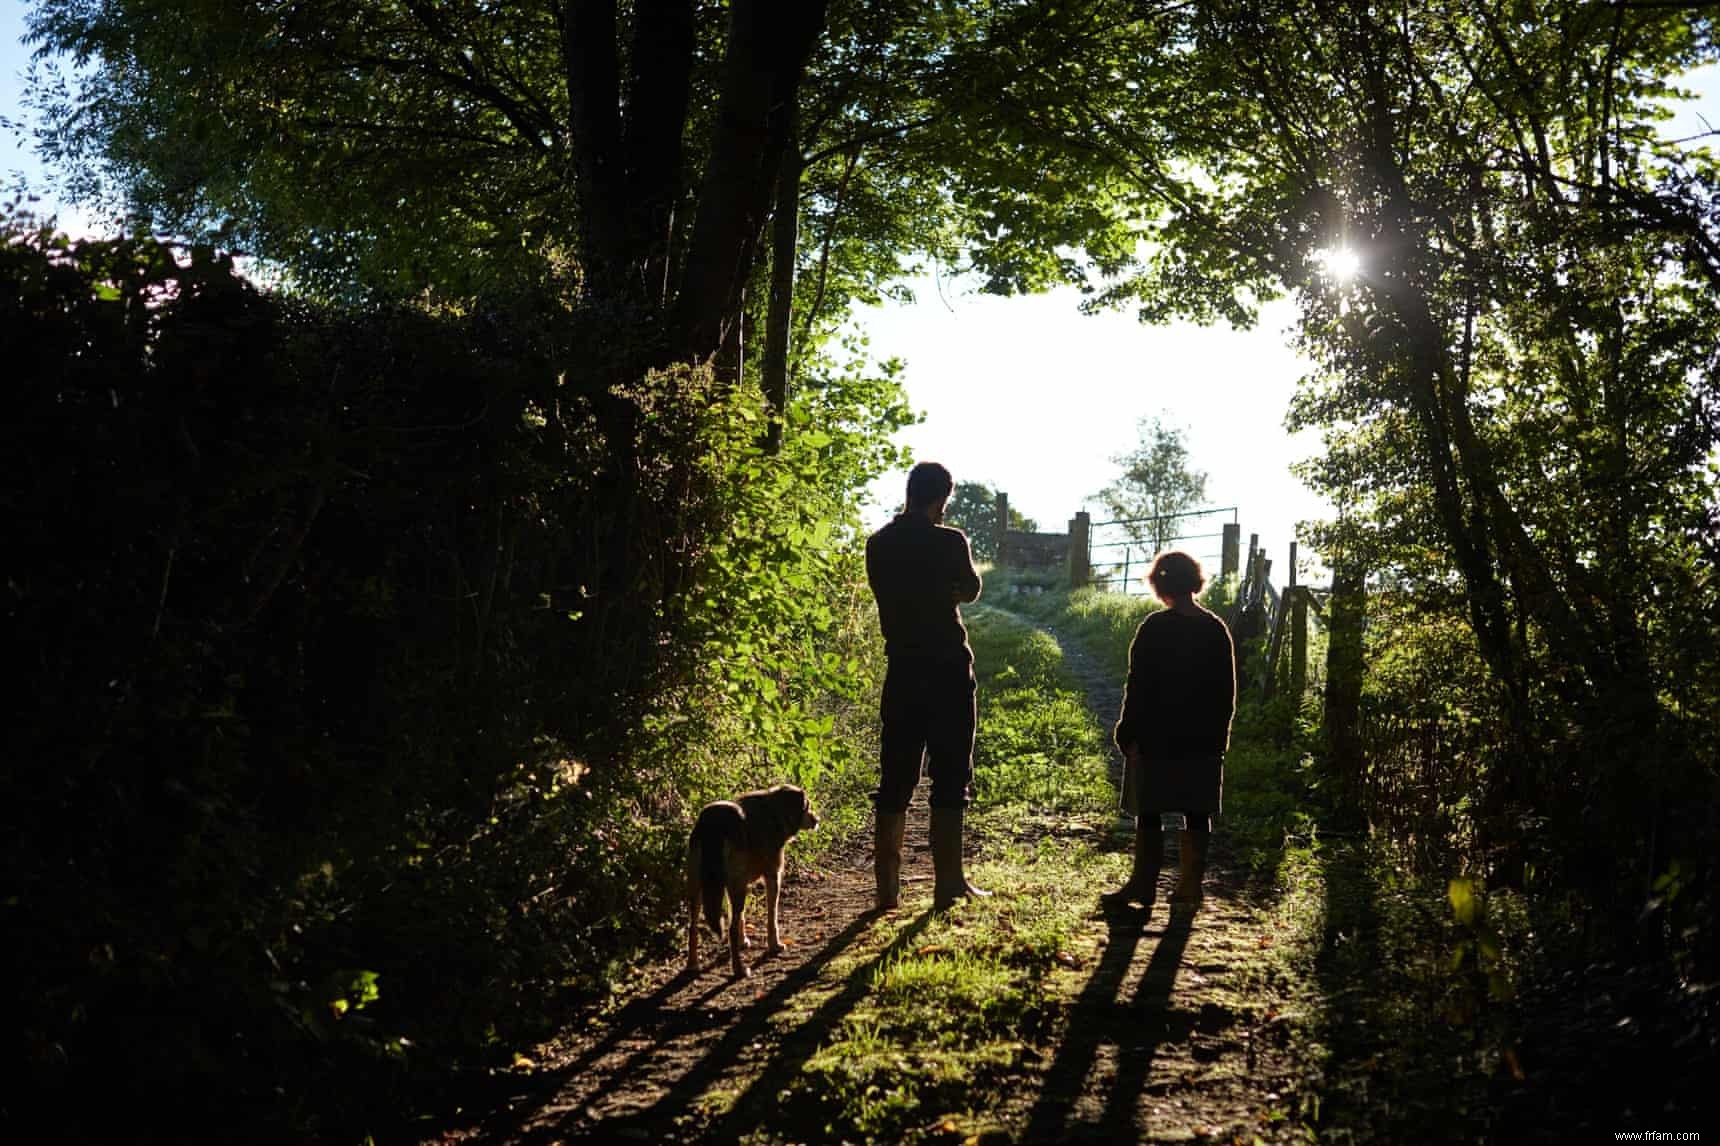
{"type": "Point", "coordinates": [737, 929]}
{"type": "Point", "coordinates": [772, 896]}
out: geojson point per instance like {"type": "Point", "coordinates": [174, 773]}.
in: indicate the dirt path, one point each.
{"type": "Point", "coordinates": [647, 1071]}
{"type": "Point", "coordinates": [1102, 684]}
{"type": "Point", "coordinates": [1164, 1034]}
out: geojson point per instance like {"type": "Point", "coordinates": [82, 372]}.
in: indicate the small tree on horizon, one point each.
{"type": "Point", "coordinates": [1157, 483]}
{"type": "Point", "coordinates": [973, 510]}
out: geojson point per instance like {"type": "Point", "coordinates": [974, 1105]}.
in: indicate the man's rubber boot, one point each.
{"type": "Point", "coordinates": [1187, 898]}
{"type": "Point", "coordinates": [887, 836]}
{"type": "Point", "coordinates": [1143, 885]}
{"type": "Point", "coordinates": [951, 884]}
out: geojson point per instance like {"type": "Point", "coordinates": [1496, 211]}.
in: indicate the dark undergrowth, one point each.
{"type": "Point", "coordinates": [378, 658]}
{"type": "Point", "coordinates": [1448, 1019]}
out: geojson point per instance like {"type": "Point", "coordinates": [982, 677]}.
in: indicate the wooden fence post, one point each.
{"type": "Point", "coordinates": [1079, 526]}
{"type": "Point", "coordinates": [1000, 530]}
{"type": "Point", "coordinates": [1232, 541]}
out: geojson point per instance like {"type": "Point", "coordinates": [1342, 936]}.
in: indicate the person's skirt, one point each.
{"type": "Point", "coordinates": [1186, 784]}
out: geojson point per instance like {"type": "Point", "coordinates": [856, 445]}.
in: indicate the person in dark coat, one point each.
{"type": "Point", "coordinates": [1174, 730]}
{"type": "Point", "coordinates": [921, 572]}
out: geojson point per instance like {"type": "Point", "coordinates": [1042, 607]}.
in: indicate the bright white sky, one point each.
{"type": "Point", "coordinates": [1026, 394]}
{"type": "Point", "coordinates": [1030, 396]}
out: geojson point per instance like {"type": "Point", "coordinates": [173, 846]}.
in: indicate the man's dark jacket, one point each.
{"type": "Point", "coordinates": [920, 574]}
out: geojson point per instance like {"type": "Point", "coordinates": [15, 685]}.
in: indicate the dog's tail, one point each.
{"type": "Point", "coordinates": [707, 846]}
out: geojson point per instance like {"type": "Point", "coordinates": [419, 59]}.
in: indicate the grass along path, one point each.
{"type": "Point", "coordinates": [1027, 1017]}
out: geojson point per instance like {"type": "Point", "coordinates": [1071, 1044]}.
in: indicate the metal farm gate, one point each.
{"type": "Point", "coordinates": [1120, 553]}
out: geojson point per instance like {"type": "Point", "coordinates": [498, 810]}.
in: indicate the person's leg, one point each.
{"type": "Point", "coordinates": [951, 697]}
{"type": "Point", "coordinates": [1196, 840]}
{"type": "Point", "coordinates": [902, 748]}
{"type": "Point", "coordinates": [949, 756]}
{"type": "Point", "coordinates": [1143, 884]}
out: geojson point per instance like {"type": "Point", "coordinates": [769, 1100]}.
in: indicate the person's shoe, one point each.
{"type": "Point", "coordinates": [950, 883]}
{"type": "Point", "coordinates": [887, 836]}
{"type": "Point", "coordinates": [1143, 884]}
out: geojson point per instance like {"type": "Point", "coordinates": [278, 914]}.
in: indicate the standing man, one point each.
{"type": "Point", "coordinates": [921, 572]}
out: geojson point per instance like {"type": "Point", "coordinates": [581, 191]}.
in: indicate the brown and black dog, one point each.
{"type": "Point", "coordinates": [734, 843]}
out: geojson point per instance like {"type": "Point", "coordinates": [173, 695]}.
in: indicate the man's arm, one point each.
{"type": "Point", "coordinates": [966, 584]}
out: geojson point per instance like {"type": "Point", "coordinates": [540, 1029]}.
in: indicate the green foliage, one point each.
{"type": "Point", "coordinates": [333, 144]}
{"type": "Point", "coordinates": [786, 630]}
{"type": "Point", "coordinates": [391, 150]}
{"type": "Point", "coordinates": [973, 510]}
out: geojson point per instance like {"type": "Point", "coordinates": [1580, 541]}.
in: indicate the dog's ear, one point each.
{"type": "Point", "coordinates": [788, 802]}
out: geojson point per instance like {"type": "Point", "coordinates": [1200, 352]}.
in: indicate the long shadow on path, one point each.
{"type": "Point", "coordinates": [1144, 1031]}
{"type": "Point", "coordinates": [667, 1118]}
{"type": "Point", "coordinates": [558, 1109]}
{"type": "Point", "coordinates": [756, 1104]}
{"type": "Point", "coordinates": [1067, 1075]}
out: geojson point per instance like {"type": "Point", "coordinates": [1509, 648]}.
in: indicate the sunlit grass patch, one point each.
{"type": "Point", "coordinates": [952, 993]}
{"type": "Point", "coordinates": [1104, 622]}
{"type": "Point", "coordinates": [1037, 742]}
{"type": "Point", "coordinates": [1013, 653]}
{"type": "Point", "coordinates": [947, 1015]}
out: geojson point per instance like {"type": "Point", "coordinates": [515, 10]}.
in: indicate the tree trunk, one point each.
{"type": "Point", "coordinates": [662, 60]}
{"type": "Point", "coordinates": [784, 236]}
{"type": "Point", "coordinates": [593, 76]}
{"type": "Point", "coordinates": [768, 44]}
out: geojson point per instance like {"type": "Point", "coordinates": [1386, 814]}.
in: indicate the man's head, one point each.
{"type": "Point", "coordinates": [929, 487]}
